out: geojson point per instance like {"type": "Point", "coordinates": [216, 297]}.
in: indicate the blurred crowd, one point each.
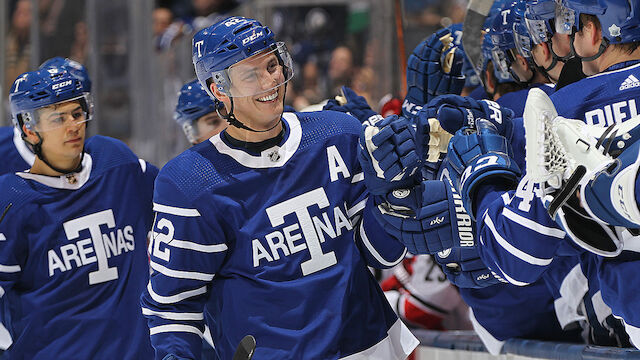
{"type": "Point", "coordinates": [331, 45]}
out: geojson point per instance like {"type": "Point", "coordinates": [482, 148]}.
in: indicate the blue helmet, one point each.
{"type": "Point", "coordinates": [193, 103]}
{"type": "Point", "coordinates": [539, 18]}
{"type": "Point", "coordinates": [487, 55]}
{"type": "Point", "coordinates": [72, 66]}
{"type": "Point", "coordinates": [509, 35]}
{"type": "Point", "coordinates": [496, 7]}
{"type": "Point", "coordinates": [36, 89]}
{"type": "Point", "coordinates": [218, 47]}
{"type": "Point", "coordinates": [501, 30]}
{"type": "Point", "coordinates": [619, 19]}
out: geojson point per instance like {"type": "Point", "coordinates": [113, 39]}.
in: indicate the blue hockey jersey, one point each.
{"type": "Point", "coordinates": [13, 151]}
{"type": "Point", "coordinates": [73, 257]}
{"type": "Point", "coordinates": [15, 157]}
{"type": "Point", "coordinates": [519, 239]}
{"type": "Point", "coordinates": [275, 245]}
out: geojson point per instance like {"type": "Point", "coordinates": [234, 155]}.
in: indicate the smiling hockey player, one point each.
{"type": "Point", "coordinates": [266, 228]}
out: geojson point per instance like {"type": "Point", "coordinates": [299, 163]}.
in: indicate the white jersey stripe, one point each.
{"type": "Point", "coordinates": [10, 268]}
{"type": "Point", "coordinates": [143, 165]}
{"type": "Point", "coordinates": [191, 275]}
{"type": "Point", "coordinates": [176, 210]}
{"type": "Point", "coordinates": [510, 279]}
{"type": "Point", "coordinates": [356, 208]}
{"type": "Point", "coordinates": [175, 328]}
{"type": "Point", "coordinates": [357, 177]}
{"type": "Point", "coordinates": [374, 252]}
{"type": "Point", "coordinates": [540, 229]}
{"type": "Point", "coordinates": [512, 249]}
{"type": "Point", "coordinates": [183, 244]}
{"type": "Point", "coordinates": [173, 315]}
{"type": "Point", "coordinates": [175, 298]}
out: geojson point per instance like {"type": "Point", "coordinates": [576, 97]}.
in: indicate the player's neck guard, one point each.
{"type": "Point", "coordinates": [257, 147]}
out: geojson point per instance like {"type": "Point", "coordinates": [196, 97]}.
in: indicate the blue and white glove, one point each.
{"type": "Point", "coordinates": [455, 112]}
{"type": "Point", "coordinates": [353, 104]}
{"type": "Point", "coordinates": [425, 218]}
{"type": "Point", "coordinates": [434, 68]}
{"type": "Point", "coordinates": [476, 156]}
{"type": "Point", "coordinates": [388, 155]}
{"type": "Point", "coordinates": [431, 141]}
{"type": "Point", "coordinates": [465, 269]}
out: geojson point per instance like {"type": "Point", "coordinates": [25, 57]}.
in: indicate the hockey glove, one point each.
{"type": "Point", "coordinates": [562, 156]}
{"type": "Point", "coordinates": [353, 104]}
{"type": "Point", "coordinates": [431, 141]}
{"type": "Point", "coordinates": [434, 68]}
{"type": "Point", "coordinates": [455, 112]}
{"type": "Point", "coordinates": [425, 218]}
{"type": "Point", "coordinates": [388, 155]}
{"type": "Point", "coordinates": [478, 156]}
{"type": "Point", "coordinates": [465, 269]}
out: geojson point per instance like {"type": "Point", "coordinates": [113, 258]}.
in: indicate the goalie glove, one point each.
{"type": "Point", "coordinates": [353, 104]}
{"type": "Point", "coordinates": [388, 155]}
{"type": "Point", "coordinates": [562, 155]}
{"type": "Point", "coordinates": [426, 218]}
{"type": "Point", "coordinates": [434, 68]}
{"type": "Point", "coordinates": [477, 156]}
{"type": "Point", "coordinates": [465, 269]}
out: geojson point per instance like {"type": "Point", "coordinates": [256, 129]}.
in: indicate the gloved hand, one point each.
{"type": "Point", "coordinates": [353, 104]}
{"type": "Point", "coordinates": [465, 269]}
{"type": "Point", "coordinates": [476, 156]}
{"type": "Point", "coordinates": [434, 68]}
{"type": "Point", "coordinates": [388, 155]}
{"type": "Point", "coordinates": [431, 141]}
{"type": "Point", "coordinates": [455, 112]}
{"type": "Point", "coordinates": [426, 218]}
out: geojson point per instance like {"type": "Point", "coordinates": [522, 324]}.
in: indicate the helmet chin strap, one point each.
{"type": "Point", "coordinates": [37, 150]}
{"type": "Point", "coordinates": [233, 121]}
{"type": "Point", "coordinates": [603, 46]}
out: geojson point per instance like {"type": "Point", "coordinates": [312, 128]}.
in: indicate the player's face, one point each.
{"type": "Point", "coordinates": [586, 46]}
{"type": "Point", "coordinates": [62, 128]}
{"type": "Point", "coordinates": [209, 125]}
{"type": "Point", "coordinates": [519, 67]}
{"type": "Point", "coordinates": [263, 76]}
{"type": "Point", "coordinates": [561, 44]}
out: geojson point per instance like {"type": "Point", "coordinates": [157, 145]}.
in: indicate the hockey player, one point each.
{"type": "Point", "coordinates": [16, 153]}
{"type": "Point", "coordinates": [74, 230]}
{"type": "Point", "coordinates": [18, 156]}
{"type": "Point", "coordinates": [551, 49]}
{"type": "Point", "coordinates": [197, 114]}
{"type": "Point", "coordinates": [506, 215]}
{"type": "Point", "coordinates": [266, 228]}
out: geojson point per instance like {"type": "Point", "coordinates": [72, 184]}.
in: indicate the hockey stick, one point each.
{"type": "Point", "coordinates": [477, 12]}
{"type": "Point", "coordinates": [245, 349]}
{"type": "Point", "coordinates": [6, 210]}
{"type": "Point", "coordinates": [401, 48]}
